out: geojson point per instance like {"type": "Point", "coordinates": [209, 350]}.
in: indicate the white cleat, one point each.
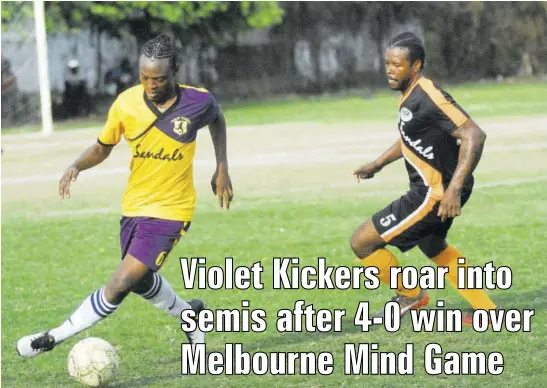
{"type": "Point", "coordinates": [197, 336]}
{"type": "Point", "coordinates": [35, 344]}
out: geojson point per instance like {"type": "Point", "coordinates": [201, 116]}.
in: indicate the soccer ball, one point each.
{"type": "Point", "coordinates": [93, 362]}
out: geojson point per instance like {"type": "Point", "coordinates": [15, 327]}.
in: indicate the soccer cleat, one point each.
{"type": "Point", "coordinates": [467, 317]}
{"type": "Point", "coordinates": [35, 344]}
{"type": "Point", "coordinates": [406, 304]}
{"type": "Point", "coordinates": [196, 336]}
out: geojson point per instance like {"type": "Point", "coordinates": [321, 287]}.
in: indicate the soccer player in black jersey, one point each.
{"type": "Point", "coordinates": [441, 146]}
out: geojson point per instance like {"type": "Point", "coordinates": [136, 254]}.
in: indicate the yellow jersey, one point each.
{"type": "Point", "coordinates": [163, 145]}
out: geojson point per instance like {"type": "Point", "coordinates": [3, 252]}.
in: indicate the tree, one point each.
{"type": "Point", "coordinates": [484, 39]}
{"type": "Point", "coordinates": [314, 21]}
{"type": "Point", "coordinates": [208, 21]}
{"type": "Point", "coordinates": [200, 23]}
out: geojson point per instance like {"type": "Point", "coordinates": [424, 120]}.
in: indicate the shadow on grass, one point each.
{"type": "Point", "coordinates": [146, 381]}
{"type": "Point", "coordinates": [535, 299]}
{"type": "Point", "coordinates": [278, 340]}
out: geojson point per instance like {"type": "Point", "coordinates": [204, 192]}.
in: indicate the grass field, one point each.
{"type": "Point", "coordinates": [294, 196]}
{"type": "Point", "coordinates": [481, 100]}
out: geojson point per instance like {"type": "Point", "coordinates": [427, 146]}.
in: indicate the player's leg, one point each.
{"type": "Point", "coordinates": [153, 240]}
{"type": "Point", "coordinates": [369, 246]}
{"type": "Point", "coordinates": [157, 290]}
{"type": "Point", "coordinates": [442, 254]}
{"type": "Point", "coordinates": [97, 306]}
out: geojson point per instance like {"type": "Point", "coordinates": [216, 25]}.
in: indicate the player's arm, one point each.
{"type": "Point", "coordinates": [472, 139]}
{"type": "Point", "coordinates": [368, 170]}
{"type": "Point", "coordinates": [98, 152]}
{"type": "Point", "coordinates": [91, 157]}
{"type": "Point", "coordinates": [221, 182]}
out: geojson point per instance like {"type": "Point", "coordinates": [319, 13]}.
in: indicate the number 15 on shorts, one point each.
{"type": "Point", "coordinates": [387, 220]}
{"type": "Point", "coordinates": [391, 318]}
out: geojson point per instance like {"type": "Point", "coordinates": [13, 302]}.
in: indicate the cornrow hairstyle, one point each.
{"type": "Point", "coordinates": [162, 47]}
{"type": "Point", "coordinates": [414, 45]}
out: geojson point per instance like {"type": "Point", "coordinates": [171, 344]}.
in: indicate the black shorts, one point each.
{"type": "Point", "coordinates": [407, 220]}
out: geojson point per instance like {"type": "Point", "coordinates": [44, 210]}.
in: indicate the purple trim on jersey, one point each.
{"type": "Point", "coordinates": [195, 109]}
{"type": "Point", "coordinates": [155, 110]}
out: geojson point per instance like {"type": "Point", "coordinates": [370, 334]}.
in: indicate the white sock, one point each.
{"type": "Point", "coordinates": [93, 309]}
{"type": "Point", "coordinates": [163, 297]}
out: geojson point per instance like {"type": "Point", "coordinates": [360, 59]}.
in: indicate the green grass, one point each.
{"type": "Point", "coordinates": [48, 266]}
{"type": "Point", "coordinates": [50, 262]}
{"type": "Point", "coordinates": [80, 123]}
{"type": "Point", "coordinates": [481, 101]}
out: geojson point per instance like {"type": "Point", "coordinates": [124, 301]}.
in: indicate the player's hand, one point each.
{"type": "Point", "coordinates": [451, 204]}
{"type": "Point", "coordinates": [366, 171]}
{"type": "Point", "coordinates": [69, 176]}
{"type": "Point", "coordinates": [222, 188]}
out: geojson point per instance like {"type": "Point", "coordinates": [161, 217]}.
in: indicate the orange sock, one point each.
{"type": "Point", "coordinates": [384, 260]}
{"type": "Point", "coordinates": [476, 298]}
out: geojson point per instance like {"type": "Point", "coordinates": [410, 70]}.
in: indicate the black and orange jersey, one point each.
{"type": "Point", "coordinates": [427, 117]}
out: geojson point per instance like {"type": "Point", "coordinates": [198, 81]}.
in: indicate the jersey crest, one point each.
{"type": "Point", "coordinates": [405, 114]}
{"type": "Point", "coordinates": [180, 125]}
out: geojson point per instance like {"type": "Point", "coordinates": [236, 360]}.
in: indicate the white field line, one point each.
{"type": "Point", "coordinates": [56, 177]}
{"type": "Point", "coordinates": [97, 130]}
{"type": "Point", "coordinates": [519, 147]}
{"type": "Point", "coordinates": [314, 156]}
{"type": "Point", "coordinates": [59, 139]}
{"type": "Point", "coordinates": [66, 144]}
{"type": "Point", "coordinates": [505, 182]}
{"type": "Point", "coordinates": [49, 146]}
{"type": "Point", "coordinates": [257, 200]}
{"type": "Point", "coordinates": [329, 143]}
{"type": "Point", "coordinates": [511, 182]}
{"type": "Point", "coordinates": [479, 107]}
{"type": "Point", "coordinates": [79, 212]}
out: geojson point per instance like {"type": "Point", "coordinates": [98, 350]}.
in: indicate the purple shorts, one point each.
{"type": "Point", "coordinates": [149, 239]}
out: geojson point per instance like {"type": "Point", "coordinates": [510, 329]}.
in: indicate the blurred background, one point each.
{"type": "Point", "coordinates": [255, 50]}
{"type": "Point", "coordinates": [303, 89]}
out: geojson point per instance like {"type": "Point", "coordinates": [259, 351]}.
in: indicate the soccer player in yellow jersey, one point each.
{"type": "Point", "coordinates": [441, 146]}
{"type": "Point", "coordinates": [159, 119]}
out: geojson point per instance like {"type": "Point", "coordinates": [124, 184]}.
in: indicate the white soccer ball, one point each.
{"type": "Point", "coordinates": [93, 362]}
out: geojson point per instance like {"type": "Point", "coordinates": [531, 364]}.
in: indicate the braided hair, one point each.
{"type": "Point", "coordinates": [162, 47]}
{"type": "Point", "coordinates": [414, 45]}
